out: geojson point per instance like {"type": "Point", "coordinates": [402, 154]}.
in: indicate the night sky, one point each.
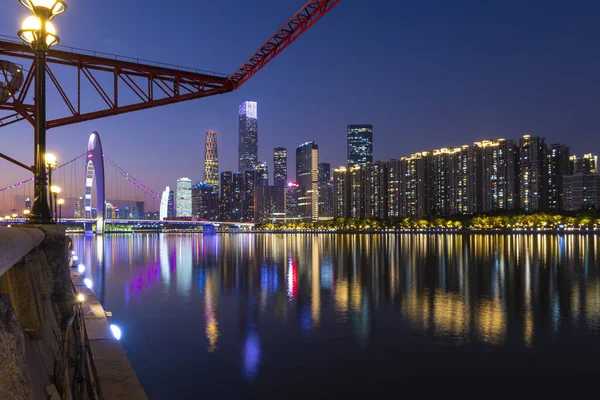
{"type": "Point", "coordinates": [426, 74]}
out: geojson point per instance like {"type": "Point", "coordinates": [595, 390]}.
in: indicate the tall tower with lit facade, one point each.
{"type": "Point", "coordinates": [360, 144]}
{"type": "Point", "coordinates": [280, 166]}
{"type": "Point", "coordinates": [307, 175]}
{"type": "Point", "coordinates": [184, 198]}
{"type": "Point", "coordinates": [533, 177]}
{"type": "Point", "coordinates": [211, 161]}
{"type": "Point", "coordinates": [248, 128]}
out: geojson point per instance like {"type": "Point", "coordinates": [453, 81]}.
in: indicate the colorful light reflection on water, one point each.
{"type": "Point", "coordinates": [253, 315]}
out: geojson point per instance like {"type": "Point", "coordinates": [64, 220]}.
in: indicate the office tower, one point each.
{"type": "Point", "coordinates": [414, 200]}
{"type": "Point", "coordinates": [293, 193]}
{"type": "Point", "coordinates": [248, 129]}
{"type": "Point", "coordinates": [393, 188]}
{"type": "Point", "coordinates": [204, 202]}
{"type": "Point", "coordinates": [558, 165]}
{"type": "Point", "coordinates": [270, 203]}
{"type": "Point", "coordinates": [262, 174]}
{"type": "Point", "coordinates": [498, 161]}
{"type": "Point", "coordinates": [341, 193]}
{"type": "Point", "coordinates": [226, 196]}
{"type": "Point", "coordinates": [375, 190]}
{"type": "Point", "coordinates": [325, 191]}
{"type": "Point", "coordinates": [211, 161]}
{"type": "Point", "coordinates": [184, 198]}
{"type": "Point", "coordinates": [581, 191]}
{"type": "Point", "coordinates": [171, 205]}
{"type": "Point", "coordinates": [237, 189]}
{"type": "Point", "coordinates": [280, 167]}
{"type": "Point", "coordinates": [588, 163]}
{"type": "Point", "coordinates": [360, 144]}
{"type": "Point", "coordinates": [532, 173]}
{"type": "Point", "coordinates": [307, 175]}
{"type": "Point", "coordinates": [164, 204]}
{"type": "Point", "coordinates": [249, 185]}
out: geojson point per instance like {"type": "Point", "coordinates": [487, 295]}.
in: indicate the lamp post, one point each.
{"type": "Point", "coordinates": [55, 190]}
{"type": "Point", "coordinates": [50, 160]}
{"type": "Point", "coordinates": [39, 33]}
{"type": "Point", "coordinates": [60, 204]}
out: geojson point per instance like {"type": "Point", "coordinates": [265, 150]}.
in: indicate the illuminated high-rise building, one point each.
{"type": "Point", "coordinates": [375, 190]}
{"type": "Point", "coordinates": [280, 166]}
{"type": "Point", "coordinates": [249, 185]}
{"type": "Point", "coordinates": [270, 203]}
{"type": "Point", "coordinates": [237, 196]}
{"type": "Point", "coordinates": [211, 161]}
{"type": "Point", "coordinates": [360, 144]}
{"type": "Point", "coordinates": [581, 191]}
{"type": "Point", "coordinates": [262, 174]}
{"type": "Point", "coordinates": [248, 139]}
{"type": "Point", "coordinates": [588, 163]}
{"type": "Point", "coordinates": [226, 196]}
{"type": "Point", "coordinates": [393, 188]}
{"type": "Point", "coordinates": [204, 202]}
{"type": "Point", "coordinates": [307, 175]}
{"type": "Point", "coordinates": [293, 194]}
{"type": "Point", "coordinates": [164, 204]}
{"type": "Point", "coordinates": [533, 181]}
{"type": "Point", "coordinates": [414, 192]}
{"type": "Point", "coordinates": [356, 187]}
{"type": "Point", "coordinates": [184, 198]}
{"type": "Point", "coordinates": [325, 191]}
{"type": "Point", "coordinates": [498, 161]}
{"type": "Point", "coordinates": [557, 166]}
{"type": "Point", "coordinates": [341, 202]}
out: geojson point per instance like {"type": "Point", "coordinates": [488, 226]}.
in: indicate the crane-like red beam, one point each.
{"type": "Point", "coordinates": [115, 81]}
{"type": "Point", "coordinates": [310, 13]}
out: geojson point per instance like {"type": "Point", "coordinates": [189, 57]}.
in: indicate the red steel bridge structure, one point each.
{"type": "Point", "coordinates": [149, 84]}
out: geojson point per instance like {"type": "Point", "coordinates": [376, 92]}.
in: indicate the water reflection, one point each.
{"type": "Point", "coordinates": [251, 292]}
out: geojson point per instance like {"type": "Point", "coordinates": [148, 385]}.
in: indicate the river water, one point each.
{"type": "Point", "coordinates": [227, 316]}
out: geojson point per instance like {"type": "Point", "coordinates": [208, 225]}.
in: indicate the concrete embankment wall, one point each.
{"type": "Point", "coordinates": [45, 348]}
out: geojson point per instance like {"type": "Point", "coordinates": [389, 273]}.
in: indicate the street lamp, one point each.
{"type": "Point", "coordinates": [40, 34]}
{"type": "Point", "coordinates": [55, 190]}
{"type": "Point", "coordinates": [26, 212]}
{"type": "Point", "coordinates": [50, 160]}
{"type": "Point", "coordinates": [60, 204]}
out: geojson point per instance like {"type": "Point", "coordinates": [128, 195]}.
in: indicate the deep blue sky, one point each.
{"type": "Point", "coordinates": [426, 74]}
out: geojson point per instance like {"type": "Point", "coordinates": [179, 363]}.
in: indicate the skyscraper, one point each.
{"type": "Point", "coordinates": [237, 190]}
{"type": "Point", "coordinates": [307, 175]}
{"type": "Point", "coordinates": [360, 144]}
{"type": "Point", "coordinates": [226, 196]}
{"type": "Point", "coordinates": [248, 129]}
{"type": "Point", "coordinates": [171, 205]}
{"type": "Point", "coordinates": [375, 192]}
{"type": "Point", "coordinates": [211, 161]}
{"type": "Point", "coordinates": [204, 202]}
{"type": "Point", "coordinates": [262, 174]}
{"type": "Point", "coordinates": [164, 204]}
{"type": "Point", "coordinates": [184, 198]}
{"type": "Point", "coordinates": [280, 166]}
{"type": "Point", "coordinates": [325, 191]}
{"type": "Point", "coordinates": [341, 193]}
{"type": "Point", "coordinates": [557, 166]}
{"type": "Point", "coordinates": [533, 181]}
{"type": "Point", "coordinates": [249, 185]}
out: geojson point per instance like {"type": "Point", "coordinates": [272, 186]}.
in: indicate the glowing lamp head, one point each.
{"type": "Point", "coordinates": [50, 160]}
{"type": "Point", "coordinates": [31, 32]}
{"type": "Point", "coordinates": [60, 202]}
{"type": "Point", "coordinates": [54, 189]}
{"type": "Point", "coordinates": [15, 215]}
{"type": "Point", "coordinates": [26, 212]}
{"type": "Point", "coordinates": [46, 9]}
{"type": "Point", "coordinates": [80, 298]}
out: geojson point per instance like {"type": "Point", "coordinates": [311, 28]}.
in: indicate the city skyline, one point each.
{"type": "Point", "coordinates": [441, 85]}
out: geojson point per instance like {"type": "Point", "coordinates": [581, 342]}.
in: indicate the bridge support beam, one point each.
{"type": "Point", "coordinates": [209, 229]}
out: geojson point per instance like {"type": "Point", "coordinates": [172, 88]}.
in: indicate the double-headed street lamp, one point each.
{"type": "Point", "coordinates": [40, 34]}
